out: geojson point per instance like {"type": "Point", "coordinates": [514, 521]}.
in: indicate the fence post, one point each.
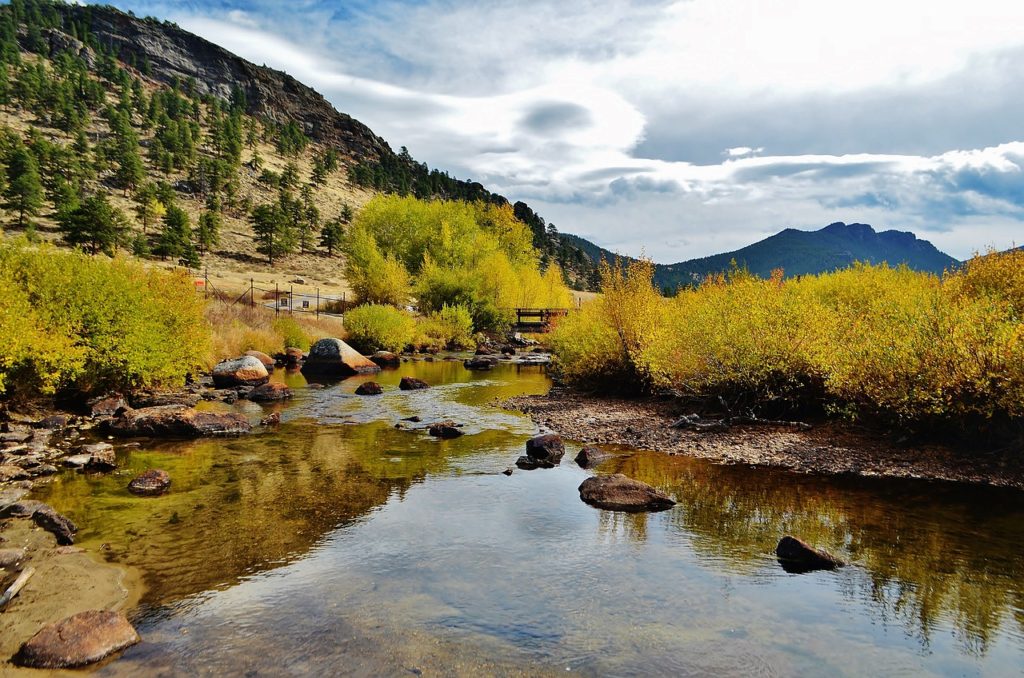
{"type": "Point", "coordinates": [318, 303]}
{"type": "Point", "coordinates": [291, 300]}
{"type": "Point", "coordinates": [277, 300]}
{"type": "Point", "coordinates": [252, 286]}
{"type": "Point", "coordinates": [206, 282]}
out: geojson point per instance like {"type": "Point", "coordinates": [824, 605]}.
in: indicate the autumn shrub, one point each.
{"type": "Point", "coordinates": [237, 328]}
{"type": "Point", "coordinates": [868, 341]}
{"type": "Point", "coordinates": [71, 321]}
{"type": "Point", "coordinates": [375, 327]}
{"type": "Point", "coordinates": [450, 328]}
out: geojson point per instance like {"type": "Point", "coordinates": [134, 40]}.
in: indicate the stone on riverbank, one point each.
{"type": "Point", "coordinates": [243, 371]}
{"type": "Point", "coordinates": [369, 388]}
{"type": "Point", "coordinates": [798, 556]}
{"type": "Point", "coordinates": [81, 639]}
{"type": "Point", "coordinates": [150, 483]}
{"type": "Point", "coordinates": [591, 456]}
{"type": "Point", "coordinates": [107, 406]}
{"type": "Point", "coordinates": [178, 422]}
{"type": "Point", "coordinates": [620, 493]}
{"type": "Point", "coordinates": [334, 358]}
{"type": "Point", "coordinates": [267, 361]}
{"type": "Point", "coordinates": [412, 384]}
{"type": "Point", "coordinates": [270, 393]}
{"type": "Point", "coordinates": [145, 399]}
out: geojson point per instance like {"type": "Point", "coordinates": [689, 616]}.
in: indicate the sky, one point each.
{"type": "Point", "coordinates": [678, 129]}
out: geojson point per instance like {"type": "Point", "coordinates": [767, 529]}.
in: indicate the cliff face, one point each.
{"type": "Point", "coordinates": [174, 53]}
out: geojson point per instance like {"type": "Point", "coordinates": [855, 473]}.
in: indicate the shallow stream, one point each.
{"type": "Point", "coordinates": [340, 545]}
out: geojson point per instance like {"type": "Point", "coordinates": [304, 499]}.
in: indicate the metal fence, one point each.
{"type": "Point", "coordinates": [295, 298]}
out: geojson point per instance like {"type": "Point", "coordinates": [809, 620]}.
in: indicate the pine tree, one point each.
{"type": "Point", "coordinates": [274, 235]}
{"type": "Point", "coordinates": [208, 230]}
{"type": "Point", "coordinates": [176, 236]}
{"type": "Point", "coordinates": [331, 235]}
{"type": "Point", "coordinates": [95, 225]}
{"type": "Point", "coordinates": [24, 189]}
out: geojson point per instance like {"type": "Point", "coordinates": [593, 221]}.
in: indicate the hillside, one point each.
{"type": "Point", "coordinates": [805, 252]}
{"type": "Point", "coordinates": [164, 109]}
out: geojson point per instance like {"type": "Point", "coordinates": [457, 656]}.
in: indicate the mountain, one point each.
{"type": "Point", "coordinates": [807, 252]}
{"type": "Point", "coordinates": [52, 48]}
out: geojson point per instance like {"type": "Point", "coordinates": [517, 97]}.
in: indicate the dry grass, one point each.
{"type": "Point", "coordinates": [239, 328]}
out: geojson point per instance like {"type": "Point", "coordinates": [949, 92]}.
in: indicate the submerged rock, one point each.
{"type": "Point", "coordinates": [243, 371]}
{"type": "Point", "coordinates": [796, 555]}
{"type": "Point", "coordinates": [81, 639]}
{"type": "Point", "coordinates": [529, 463]}
{"type": "Point", "coordinates": [56, 524]}
{"type": "Point", "coordinates": [620, 493]}
{"type": "Point", "coordinates": [178, 422]}
{"type": "Point", "coordinates": [150, 483]}
{"type": "Point", "coordinates": [369, 388]}
{"type": "Point", "coordinates": [270, 393]}
{"type": "Point", "coordinates": [334, 358]}
{"type": "Point", "coordinates": [412, 384]}
{"type": "Point", "coordinates": [273, 419]}
{"type": "Point", "coordinates": [591, 456]}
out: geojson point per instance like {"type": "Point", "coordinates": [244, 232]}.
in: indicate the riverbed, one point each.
{"type": "Point", "coordinates": [338, 544]}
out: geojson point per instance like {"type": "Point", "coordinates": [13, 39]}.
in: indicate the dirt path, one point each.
{"type": "Point", "coordinates": [828, 448]}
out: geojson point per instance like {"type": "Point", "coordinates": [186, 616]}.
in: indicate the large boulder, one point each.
{"type": "Point", "coordinates": [619, 493]}
{"type": "Point", "coordinates": [81, 639]}
{"type": "Point", "coordinates": [178, 422]}
{"type": "Point", "coordinates": [796, 555]}
{"type": "Point", "coordinates": [267, 361]}
{"type": "Point", "coordinates": [548, 448]}
{"type": "Point", "coordinates": [335, 358]}
{"type": "Point", "coordinates": [591, 456]}
{"type": "Point", "coordinates": [243, 371]}
{"type": "Point", "coordinates": [270, 392]}
{"type": "Point", "coordinates": [150, 483]}
{"type": "Point", "coordinates": [412, 384]}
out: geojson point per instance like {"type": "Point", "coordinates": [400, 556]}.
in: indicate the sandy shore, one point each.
{"type": "Point", "coordinates": [830, 448]}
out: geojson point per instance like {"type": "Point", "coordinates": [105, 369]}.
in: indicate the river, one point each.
{"type": "Point", "coordinates": [338, 544]}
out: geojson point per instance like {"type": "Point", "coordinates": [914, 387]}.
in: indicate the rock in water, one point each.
{"type": "Point", "coordinates": [444, 429]}
{"type": "Point", "coordinates": [150, 483]}
{"type": "Point", "coordinates": [101, 457]}
{"type": "Point", "coordinates": [480, 362]}
{"type": "Point", "coordinates": [244, 371]}
{"type": "Point", "coordinates": [797, 556]}
{"type": "Point", "coordinates": [619, 493]}
{"type": "Point", "coordinates": [59, 526]}
{"type": "Point", "coordinates": [548, 447]}
{"type": "Point", "coordinates": [267, 361]}
{"type": "Point", "coordinates": [178, 422]}
{"type": "Point", "coordinates": [81, 639]}
{"type": "Point", "coordinates": [270, 393]}
{"type": "Point", "coordinates": [529, 463]}
{"type": "Point", "coordinates": [369, 388]}
{"type": "Point", "coordinates": [335, 358]}
{"type": "Point", "coordinates": [293, 356]}
{"type": "Point", "coordinates": [411, 384]}
{"type": "Point", "coordinates": [386, 359]}
{"type": "Point", "coordinates": [591, 456]}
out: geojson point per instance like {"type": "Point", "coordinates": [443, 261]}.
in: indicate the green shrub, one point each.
{"type": "Point", "coordinates": [95, 323]}
{"type": "Point", "coordinates": [375, 327]}
{"type": "Point", "coordinates": [292, 333]}
{"type": "Point", "coordinates": [450, 328]}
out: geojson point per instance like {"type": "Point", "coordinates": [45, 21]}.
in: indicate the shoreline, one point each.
{"type": "Point", "coordinates": [828, 448]}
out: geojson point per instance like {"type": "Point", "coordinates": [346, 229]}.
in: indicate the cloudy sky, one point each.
{"type": "Point", "coordinates": [678, 129]}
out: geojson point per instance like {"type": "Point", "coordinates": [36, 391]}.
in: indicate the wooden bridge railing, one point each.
{"type": "Point", "coordinates": [538, 319]}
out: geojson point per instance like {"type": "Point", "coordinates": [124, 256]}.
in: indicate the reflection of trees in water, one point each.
{"type": "Point", "coordinates": [244, 505]}
{"type": "Point", "coordinates": [929, 551]}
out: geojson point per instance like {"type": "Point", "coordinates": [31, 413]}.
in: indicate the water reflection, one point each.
{"type": "Point", "coordinates": [337, 539]}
